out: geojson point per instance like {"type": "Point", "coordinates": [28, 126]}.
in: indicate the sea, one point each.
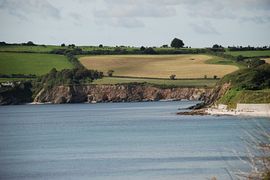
{"type": "Point", "coordinates": [124, 141]}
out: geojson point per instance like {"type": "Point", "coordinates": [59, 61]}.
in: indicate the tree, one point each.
{"type": "Point", "coordinates": [30, 43]}
{"type": "Point", "coordinates": [142, 48]}
{"type": "Point", "coordinates": [165, 46]}
{"type": "Point", "coordinates": [100, 46]}
{"type": "Point", "coordinates": [172, 77]}
{"type": "Point", "coordinates": [205, 76]}
{"type": "Point", "coordinates": [63, 45]}
{"type": "Point", "coordinates": [177, 43]}
{"type": "Point", "coordinates": [216, 46]}
{"type": "Point", "coordinates": [110, 73]}
{"type": "Point", "coordinates": [150, 51]}
{"type": "Point", "coordinates": [215, 76]}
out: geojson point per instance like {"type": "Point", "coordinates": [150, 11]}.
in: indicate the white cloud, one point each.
{"type": "Point", "coordinates": [204, 27]}
{"type": "Point", "coordinates": [25, 9]}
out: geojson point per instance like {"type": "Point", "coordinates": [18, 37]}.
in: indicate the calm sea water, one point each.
{"type": "Point", "coordinates": [121, 141]}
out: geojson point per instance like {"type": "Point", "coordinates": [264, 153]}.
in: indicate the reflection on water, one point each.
{"type": "Point", "coordinates": [120, 141]}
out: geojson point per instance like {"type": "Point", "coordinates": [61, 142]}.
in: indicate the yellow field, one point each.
{"type": "Point", "coordinates": [267, 60]}
{"type": "Point", "coordinates": [157, 66]}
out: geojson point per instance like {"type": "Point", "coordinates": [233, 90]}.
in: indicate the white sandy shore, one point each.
{"type": "Point", "coordinates": [214, 111]}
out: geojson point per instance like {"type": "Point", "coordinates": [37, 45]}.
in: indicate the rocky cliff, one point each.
{"type": "Point", "coordinates": [118, 93]}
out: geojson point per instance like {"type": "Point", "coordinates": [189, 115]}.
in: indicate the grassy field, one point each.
{"type": "Point", "coordinates": [161, 66]}
{"type": "Point", "coordinates": [29, 63]}
{"type": "Point", "coordinates": [165, 82]}
{"type": "Point", "coordinates": [36, 49]}
{"type": "Point", "coordinates": [249, 53]}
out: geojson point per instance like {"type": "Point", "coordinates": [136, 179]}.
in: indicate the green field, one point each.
{"type": "Point", "coordinates": [31, 63]}
{"type": "Point", "coordinates": [35, 49]}
{"type": "Point", "coordinates": [160, 66]}
{"type": "Point", "coordinates": [165, 82]}
{"type": "Point", "coordinates": [249, 53]}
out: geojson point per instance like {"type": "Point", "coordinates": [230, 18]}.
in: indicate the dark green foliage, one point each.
{"type": "Point", "coordinates": [250, 78]}
{"type": "Point", "coordinates": [240, 58]}
{"type": "Point", "coordinates": [17, 94]}
{"type": "Point", "coordinates": [142, 48]}
{"type": "Point", "coordinates": [248, 48]}
{"type": "Point", "coordinates": [177, 43]}
{"type": "Point", "coordinates": [149, 51]}
{"type": "Point", "coordinates": [217, 48]}
{"type": "Point", "coordinates": [67, 76]}
{"type": "Point", "coordinates": [63, 45]}
{"type": "Point", "coordinates": [18, 76]}
{"type": "Point", "coordinates": [254, 62]}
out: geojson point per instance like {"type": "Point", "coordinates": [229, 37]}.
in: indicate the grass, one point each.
{"type": "Point", "coordinates": [31, 63]}
{"type": "Point", "coordinates": [13, 79]}
{"type": "Point", "coordinates": [35, 49]}
{"type": "Point", "coordinates": [234, 96]}
{"type": "Point", "coordinates": [164, 82]}
{"type": "Point", "coordinates": [223, 61]}
{"type": "Point", "coordinates": [249, 53]}
{"type": "Point", "coordinates": [158, 66]}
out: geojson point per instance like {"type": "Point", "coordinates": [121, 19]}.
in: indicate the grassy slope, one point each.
{"type": "Point", "coordinates": [250, 85]}
{"type": "Point", "coordinates": [29, 63]}
{"type": "Point", "coordinates": [249, 53]}
{"type": "Point", "coordinates": [164, 82]}
{"type": "Point", "coordinates": [158, 66]}
{"type": "Point", "coordinates": [233, 96]}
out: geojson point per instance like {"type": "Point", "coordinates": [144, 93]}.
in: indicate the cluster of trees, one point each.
{"type": "Point", "coordinates": [253, 78]}
{"type": "Point", "coordinates": [29, 43]}
{"type": "Point", "coordinates": [248, 48]}
{"type": "Point", "coordinates": [18, 76]}
{"type": "Point", "coordinates": [68, 76]}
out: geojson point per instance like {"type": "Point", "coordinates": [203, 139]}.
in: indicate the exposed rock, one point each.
{"type": "Point", "coordinates": [15, 93]}
{"type": "Point", "coordinates": [118, 93]}
{"type": "Point", "coordinates": [200, 112]}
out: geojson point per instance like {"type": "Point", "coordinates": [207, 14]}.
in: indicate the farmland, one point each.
{"type": "Point", "coordinates": [267, 60]}
{"type": "Point", "coordinates": [249, 53]}
{"type": "Point", "coordinates": [31, 63]}
{"type": "Point", "coordinates": [161, 66]}
{"type": "Point", "coordinates": [162, 82]}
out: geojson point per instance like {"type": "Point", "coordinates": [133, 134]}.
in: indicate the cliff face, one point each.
{"type": "Point", "coordinates": [118, 93]}
{"type": "Point", "coordinates": [217, 93]}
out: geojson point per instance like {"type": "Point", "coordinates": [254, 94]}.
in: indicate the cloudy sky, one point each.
{"type": "Point", "coordinates": [200, 23]}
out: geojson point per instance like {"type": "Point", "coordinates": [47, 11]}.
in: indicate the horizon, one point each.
{"type": "Point", "coordinates": [136, 23]}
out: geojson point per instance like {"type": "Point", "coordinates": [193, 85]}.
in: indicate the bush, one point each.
{"type": "Point", "coordinates": [110, 73]}
{"type": "Point", "coordinates": [172, 77]}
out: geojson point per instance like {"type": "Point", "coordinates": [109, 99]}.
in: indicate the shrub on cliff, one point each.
{"type": "Point", "coordinates": [67, 77]}
{"type": "Point", "coordinates": [250, 78]}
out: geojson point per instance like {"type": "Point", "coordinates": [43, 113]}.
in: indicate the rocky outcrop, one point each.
{"type": "Point", "coordinates": [15, 93]}
{"type": "Point", "coordinates": [118, 93]}
{"type": "Point", "coordinates": [217, 93]}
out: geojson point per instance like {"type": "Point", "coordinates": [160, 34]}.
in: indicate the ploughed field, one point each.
{"type": "Point", "coordinates": [31, 63]}
{"type": "Point", "coordinates": [158, 66]}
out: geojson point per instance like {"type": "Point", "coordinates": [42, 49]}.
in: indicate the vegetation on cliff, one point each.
{"type": "Point", "coordinates": [250, 85]}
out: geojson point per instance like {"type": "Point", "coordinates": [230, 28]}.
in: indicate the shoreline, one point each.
{"type": "Point", "coordinates": [234, 112]}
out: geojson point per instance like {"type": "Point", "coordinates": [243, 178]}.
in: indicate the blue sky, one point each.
{"type": "Point", "coordinates": [136, 22]}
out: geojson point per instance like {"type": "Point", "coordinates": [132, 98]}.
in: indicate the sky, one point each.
{"type": "Point", "coordinates": [199, 23]}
